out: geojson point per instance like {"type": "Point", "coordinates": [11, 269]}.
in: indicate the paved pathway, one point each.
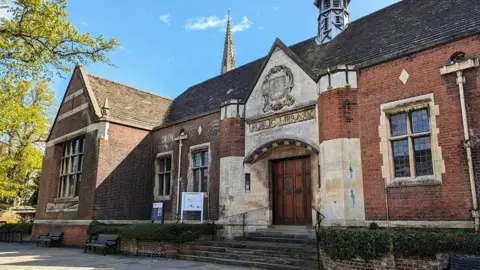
{"type": "Point", "coordinates": [29, 257]}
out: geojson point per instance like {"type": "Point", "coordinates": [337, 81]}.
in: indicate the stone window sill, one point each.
{"type": "Point", "coordinates": [417, 181]}
{"type": "Point", "coordinates": [66, 200]}
{"type": "Point", "coordinates": [162, 198]}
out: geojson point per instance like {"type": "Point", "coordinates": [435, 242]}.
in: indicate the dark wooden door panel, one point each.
{"type": "Point", "coordinates": [292, 192]}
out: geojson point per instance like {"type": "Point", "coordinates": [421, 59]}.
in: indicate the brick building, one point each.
{"type": "Point", "coordinates": [371, 120]}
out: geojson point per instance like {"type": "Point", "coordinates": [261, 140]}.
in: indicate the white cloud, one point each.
{"type": "Point", "coordinates": [205, 23]}
{"type": "Point", "coordinates": [165, 18]}
{"type": "Point", "coordinates": [275, 8]}
{"type": "Point", "coordinates": [242, 26]}
{"type": "Point", "coordinates": [260, 28]}
{"type": "Point", "coordinates": [214, 22]}
{"type": "Point", "coordinates": [84, 23]}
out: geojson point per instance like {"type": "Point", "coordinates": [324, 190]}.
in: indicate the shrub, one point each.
{"type": "Point", "coordinates": [347, 243]}
{"type": "Point", "coordinates": [351, 243]}
{"type": "Point", "coordinates": [25, 228]}
{"type": "Point", "coordinates": [172, 233]}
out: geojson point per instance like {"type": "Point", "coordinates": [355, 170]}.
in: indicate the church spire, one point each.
{"type": "Point", "coordinates": [228, 61]}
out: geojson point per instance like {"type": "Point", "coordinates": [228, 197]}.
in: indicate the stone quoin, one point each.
{"type": "Point", "coordinates": [374, 120]}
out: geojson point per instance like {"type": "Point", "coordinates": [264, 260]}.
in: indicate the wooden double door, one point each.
{"type": "Point", "coordinates": [292, 189]}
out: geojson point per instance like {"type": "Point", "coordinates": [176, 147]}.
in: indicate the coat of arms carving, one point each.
{"type": "Point", "coordinates": [276, 89]}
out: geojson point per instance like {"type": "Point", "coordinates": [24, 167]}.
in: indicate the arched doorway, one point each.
{"type": "Point", "coordinates": [292, 167]}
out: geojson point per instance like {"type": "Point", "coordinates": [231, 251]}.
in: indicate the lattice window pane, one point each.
{"type": "Point", "coordinates": [423, 156]}
{"type": "Point", "coordinates": [168, 165]}
{"type": "Point", "coordinates": [161, 165]}
{"type": "Point", "coordinates": [161, 181]}
{"type": "Point", "coordinates": [204, 180]}
{"type": "Point", "coordinates": [167, 184]}
{"type": "Point", "coordinates": [401, 158]}
{"type": "Point", "coordinates": [398, 124]}
{"type": "Point", "coordinates": [196, 180]}
{"type": "Point", "coordinates": [205, 158]}
{"type": "Point", "coordinates": [196, 160]}
{"type": "Point", "coordinates": [420, 121]}
{"type": "Point", "coordinates": [77, 186]}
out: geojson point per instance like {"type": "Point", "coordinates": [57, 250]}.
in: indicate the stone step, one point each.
{"type": "Point", "coordinates": [285, 260]}
{"type": "Point", "coordinates": [249, 264]}
{"type": "Point", "coordinates": [287, 229]}
{"type": "Point", "coordinates": [304, 254]}
{"type": "Point", "coordinates": [255, 245]}
{"type": "Point", "coordinates": [277, 239]}
{"type": "Point", "coordinates": [282, 235]}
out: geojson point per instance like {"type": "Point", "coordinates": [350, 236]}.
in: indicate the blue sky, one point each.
{"type": "Point", "coordinates": [167, 46]}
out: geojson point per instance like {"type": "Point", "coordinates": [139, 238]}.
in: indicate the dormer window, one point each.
{"type": "Point", "coordinates": [336, 3]}
{"type": "Point", "coordinates": [326, 4]}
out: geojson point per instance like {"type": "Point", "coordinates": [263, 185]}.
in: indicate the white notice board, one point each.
{"type": "Point", "coordinates": [192, 201]}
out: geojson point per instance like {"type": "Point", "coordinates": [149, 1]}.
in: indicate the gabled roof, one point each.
{"type": "Point", "coordinates": [205, 98]}
{"type": "Point", "coordinates": [398, 30]}
{"type": "Point", "coordinates": [129, 105]}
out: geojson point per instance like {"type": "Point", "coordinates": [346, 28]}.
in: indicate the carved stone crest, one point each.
{"type": "Point", "coordinates": [276, 89]}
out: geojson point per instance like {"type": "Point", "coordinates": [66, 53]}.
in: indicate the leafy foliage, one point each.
{"type": "Point", "coordinates": [351, 243]}
{"type": "Point", "coordinates": [340, 243]}
{"type": "Point", "coordinates": [25, 228]}
{"type": "Point", "coordinates": [171, 233]}
{"type": "Point", "coordinates": [26, 111]}
{"type": "Point", "coordinates": [37, 37]}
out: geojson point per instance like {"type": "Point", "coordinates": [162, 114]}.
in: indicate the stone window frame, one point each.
{"type": "Point", "coordinates": [65, 174]}
{"type": "Point", "coordinates": [194, 149]}
{"type": "Point", "coordinates": [158, 197]}
{"type": "Point", "coordinates": [405, 105]}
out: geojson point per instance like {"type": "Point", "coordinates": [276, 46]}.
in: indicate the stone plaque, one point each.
{"type": "Point", "coordinates": [282, 120]}
{"type": "Point", "coordinates": [276, 89]}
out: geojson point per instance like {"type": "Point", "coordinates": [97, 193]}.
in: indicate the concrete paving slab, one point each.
{"type": "Point", "coordinates": [28, 257]}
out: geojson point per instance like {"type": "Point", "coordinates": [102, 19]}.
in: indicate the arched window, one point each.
{"type": "Point", "coordinates": [457, 58]}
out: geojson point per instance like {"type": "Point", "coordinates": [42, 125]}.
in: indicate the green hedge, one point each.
{"type": "Point", "coordinates": [347, 243]}
{"type": "Point", "coordinates": [25, 228]}
{"type": "Point", "coordinates": [351, 243]}
{"type": "Point", "coordinates": [173, 233]}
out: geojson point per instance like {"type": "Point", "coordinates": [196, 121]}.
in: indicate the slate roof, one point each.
{"type": "Point", "coordinates": [128, 104]}
{"type": "Point", "coordinates": [400, 29]}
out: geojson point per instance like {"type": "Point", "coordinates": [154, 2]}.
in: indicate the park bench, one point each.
{"type": "Point", "coordinates": [50, 238]}
{"type": "Point", "coordinates": [103, 241]}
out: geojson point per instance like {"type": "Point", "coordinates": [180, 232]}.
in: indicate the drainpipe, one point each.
{"type": "Point", "coordinates": [458, 68]}
{"type": "Point", "coordinates": [180, 139]}
{"type": "Point", "coordinates": [468, 146]}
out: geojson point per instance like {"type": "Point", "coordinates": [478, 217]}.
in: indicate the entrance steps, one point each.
{"type": "Point", "coordinates": [263, 249]}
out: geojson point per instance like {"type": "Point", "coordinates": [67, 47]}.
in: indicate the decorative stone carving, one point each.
{"type": "Point", "coordinates": [276, 89]}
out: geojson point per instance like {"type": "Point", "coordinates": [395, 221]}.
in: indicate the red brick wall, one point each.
{"type": "Point", "coordinates": [232, 137]}
{"type": "Point", "coordinates": [125, 173]}
{"type": "Point", "coordinates": [380, 84]}
{"type": "Point", "coordinates": [49, 179]}
{"type": "Point", "coordinates": [163, 141]}
{"type": "Point", "coordinates": [74, 236]}
{"type": "Point", "coordinates": [338, 114]}
{"type": "Point", "coordinates": [386, 263]}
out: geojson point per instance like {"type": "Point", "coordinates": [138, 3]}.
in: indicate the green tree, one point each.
{"type": "Point", "coordinates": [26, 111]}
{"type": "Point", "coordinates": [37, 39]}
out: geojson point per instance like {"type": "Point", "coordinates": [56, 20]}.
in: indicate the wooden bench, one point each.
{"type": "Point", "coordinates": [50, 238]}
{"type": "Point", "coordinates": [103, 241]}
